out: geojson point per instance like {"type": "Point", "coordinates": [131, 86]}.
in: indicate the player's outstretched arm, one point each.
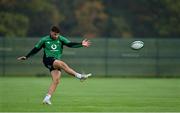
{"type": "Point", "coordinates": [86, 43]}
{"type": "Point", "coordinates": [22, 58]}
{"type": "Point", "coordinates": [31, 53]}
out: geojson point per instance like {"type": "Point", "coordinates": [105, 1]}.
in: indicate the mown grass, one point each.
{"type": "Point", "coordinates": [25, 94]}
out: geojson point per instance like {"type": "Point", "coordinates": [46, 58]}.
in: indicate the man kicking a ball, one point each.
{"type": "Point", "coordinates": [53, 47]}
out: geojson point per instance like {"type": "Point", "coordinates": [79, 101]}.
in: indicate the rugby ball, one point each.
{"type": "Point", "coordinates": [136, 45]}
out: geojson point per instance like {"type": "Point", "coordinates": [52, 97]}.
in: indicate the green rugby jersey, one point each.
{"type": "Point", "coordinates": [53, 48]}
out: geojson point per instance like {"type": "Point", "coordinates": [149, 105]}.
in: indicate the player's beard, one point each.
{"type": "Point", "coordinates": [54, 37]}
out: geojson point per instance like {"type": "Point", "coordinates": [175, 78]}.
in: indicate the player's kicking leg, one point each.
{"type": "Point", "coordinates": [57, 64]}
{"type": "Point", "coordinates": [56, 74]}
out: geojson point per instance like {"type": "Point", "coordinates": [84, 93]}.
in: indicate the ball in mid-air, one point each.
{"type": "Point", "coordinates": [136, 45]}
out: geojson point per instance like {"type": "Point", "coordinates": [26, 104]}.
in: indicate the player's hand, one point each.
{"type": "Point", "coordinates": [86, 43]}
{"type": "Point", "coordinates": [22, 58]}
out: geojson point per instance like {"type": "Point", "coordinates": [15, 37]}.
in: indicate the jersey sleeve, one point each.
{"type": "Point", "coordinates": [69, 43]}
{"type": "Point", "coordinates": [39, 44]}
{"type": "Point", "coordinates": [37, 48]}
{"type": "Point", "coordinates": [32, 52]}
{"type": "Point", "coordinates": [64, 40]}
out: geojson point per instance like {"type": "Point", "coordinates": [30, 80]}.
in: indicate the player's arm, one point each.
{"type": "Point", "coordinates": [84, 43]}
{"type": "Point", "coordinates": [35, 50]}
{"type": "Point", "coordinates": [73, 44]}
{"type": "Point", "coordinates": [31, 53]}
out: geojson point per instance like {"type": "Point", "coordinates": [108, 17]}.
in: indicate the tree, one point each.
{"type": "Point", "coordinates": [13, 25]}
{"type": "Point", "coordinates": [91, 18]}
{"type": "Point", "coordinates": [111, 18]}
{"type": "Point", "coordinates": [145, 18]}
{"type": "Point", "coordinates": [168, 25]}
{"type": "Point", "coordinates": [35, 16]}
{"type": "Point", "coordinates": [42, 15]}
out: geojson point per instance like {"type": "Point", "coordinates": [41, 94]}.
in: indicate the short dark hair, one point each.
{"type": "Point", "coordinates": [55, 29]}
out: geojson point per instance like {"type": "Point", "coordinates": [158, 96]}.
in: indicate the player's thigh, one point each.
{"type": "Point", "coordinates": [59, 63]}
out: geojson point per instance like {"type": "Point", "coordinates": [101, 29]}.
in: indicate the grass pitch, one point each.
{"type": "Point", "coordinates": [96, 94]}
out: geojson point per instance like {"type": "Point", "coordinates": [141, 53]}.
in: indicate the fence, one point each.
{"type": "Point", "coordinates": [106, 57]}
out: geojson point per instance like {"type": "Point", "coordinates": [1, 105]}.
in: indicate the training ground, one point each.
{"type": "Point", "coordinates": [25, 94]}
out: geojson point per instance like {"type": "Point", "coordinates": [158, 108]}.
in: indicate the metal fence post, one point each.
{"type": "Point", "coordinates": [157, 58]}
{"type": "Point", "coordinates": [106, 56]}
{"type": "Point", "coordinates": [3, 57]}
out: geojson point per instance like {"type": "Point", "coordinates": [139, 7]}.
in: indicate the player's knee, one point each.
{"type": "Point", "coordinates": [58, 63]}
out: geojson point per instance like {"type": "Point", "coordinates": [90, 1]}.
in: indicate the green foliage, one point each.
{"type": "Point", "coordinates": [33, 16]}
{"type": "Point", "coordinates": [169, 24]}
{"type": "Point", "coordinates": [42, 15]}
{"type": "Point", "coordinates": [13, 25]}
{"type": "Point", "coordinates": [122, 27]}
{"type": "Point", "coordinates": [111, 18]}
{"type": "Point", "coordinates": [143, 18]}
{"type": "Point", "coordinates": [91, 18]}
